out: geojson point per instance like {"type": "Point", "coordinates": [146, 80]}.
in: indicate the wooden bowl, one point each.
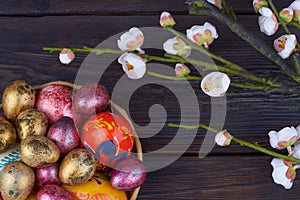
{"type": "Point", "coordinates": [113, 107]}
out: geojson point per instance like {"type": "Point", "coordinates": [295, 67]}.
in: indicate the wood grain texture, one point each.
{"type": "Point", "coordinates": [233, 172]}
{"type": "Point", "coordinates": [106, 7]}
{"type": "Point", "coordinates": [226, 177]}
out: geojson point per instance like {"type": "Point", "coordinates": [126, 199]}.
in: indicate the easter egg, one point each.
{"type": "Point", "coordinates": [108, 136]}
{"type": "Point", "coordinates": [98, 187]}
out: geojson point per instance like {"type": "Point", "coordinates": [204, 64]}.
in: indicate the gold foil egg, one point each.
{"type": "Point", "coordinates": [37, 151]}
{"type": "Point", "coordinates": [31, 122]}
{"type": "Point", "coordinates": [17, 97]}
{"type": "Point", "coordinates": [8, 135]}
{"type": "Point", "coordinates": [77, 167]}
{"type": "Point", "coordinates": [16, 181]}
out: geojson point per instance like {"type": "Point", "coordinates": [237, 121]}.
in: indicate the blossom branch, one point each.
{"type": "Point", "coordinates": [239, 141]}
{"type": "Point", "coordinates": [202, 7]}
{"type": "Point", "coordinates": [174, 59]}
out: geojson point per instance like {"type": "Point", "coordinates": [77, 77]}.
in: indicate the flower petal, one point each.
{"type": "Point", "coordinates": [266, 12]}
{"type": "Point", "coordinates": [279, 173]}
{"type": "Point", "coordinates": [133, 65]}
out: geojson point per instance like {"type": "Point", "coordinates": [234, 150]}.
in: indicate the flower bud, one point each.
{"type": "Point", "coordinates": [286, 14]}
{"type": "Point", "coordinates": [182, 70]}
{"type": "Point", "coordinates": [257, 4]}
{"type": "Point", "coordinates": [166, 20]}
{"type": "Point", "coordinates": [66, 56]}
{"type": "Point", "coordinates": [223, 138]}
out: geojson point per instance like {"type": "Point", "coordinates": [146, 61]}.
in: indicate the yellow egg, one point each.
{"type": "Point", "coordinates": [98, 187]}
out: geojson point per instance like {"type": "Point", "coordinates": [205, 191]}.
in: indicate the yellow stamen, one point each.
{"type": "Point", "coordinates": [129, 66]}
{"type": "Point", "coordinates": [282, 43]}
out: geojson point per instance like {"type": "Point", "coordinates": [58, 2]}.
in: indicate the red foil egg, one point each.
{"type": "Point", "coordinates": [108, 136]}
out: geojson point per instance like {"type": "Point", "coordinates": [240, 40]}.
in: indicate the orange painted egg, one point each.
{"type": "Point", "coordinates": [108, 136]}
{"type": "Point", "coordinates": [98, 187]}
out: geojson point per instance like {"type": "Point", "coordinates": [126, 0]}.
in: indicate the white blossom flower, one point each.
{"type": "Point", "coordinates": [223, 138]}
{"type": "Point", "coordinates": [133, 65]}
{"type": "Point", "coordinates": [257, 4]}
{"type": "Point", "coordinates": [176, 46]}
{"type": "Point", "coordinates": [284, 138]}
{"type": "Point", "coordinates": [287, 14]}
{"type": "Point", "coordinates": [215, 84]}
{"type": "Point", "coordinates": [296, 8]}
{"type": "Point", "coordinates": [66, 56]}
{"type": "Point", "coordinates": [267, 21]}
{"type": "Point", "coordinates": [182, 70]}
{"type": "Point", "coordinates": [285, 45]}
{"type": "Point", "coordinates": [202, 35]}
{"type": "Point", "coordinates": [283, 172]}
{"type": "Point", "coordinates": [166, 20]}
{"type": "Point", "coordinates": [131, 40]}
{"type": "Point", "coordinates": [217, 3]}
{"type": "Point", "coordinates": [296, 149]}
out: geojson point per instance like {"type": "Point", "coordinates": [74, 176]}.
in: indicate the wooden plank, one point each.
{"type": "Point", "coordinates": [224, 177]}
{"type": "Point", "coordinates": [245, 7]}
{"type": "Point", "coordinates": [98, 7]}
{"type": "Point", "coordinates": [250, 114]}
{"type": "Point", "coordinates": [106, 7]}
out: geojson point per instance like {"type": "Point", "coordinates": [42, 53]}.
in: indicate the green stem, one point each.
{"type": "Point", "coordinates": [193, 127]}
{"type": "Point", "coordinates": [85, 50]}
{"type": "Point", "coordinates": [161, 59]}
{"type": "Point", "coordinates": [264, 150]}
{"type": "Point", "coordinates": [297, 25]}
{"type": "Point", "coordinates": [239, 141]}
{"type": "Point", "coordinates": [174, 78]}
{"type": "Point", "coordinates": [197, 78]}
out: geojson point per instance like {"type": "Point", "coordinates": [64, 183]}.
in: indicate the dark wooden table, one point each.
{"type": "Point", "coordinates": [234, 172]}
